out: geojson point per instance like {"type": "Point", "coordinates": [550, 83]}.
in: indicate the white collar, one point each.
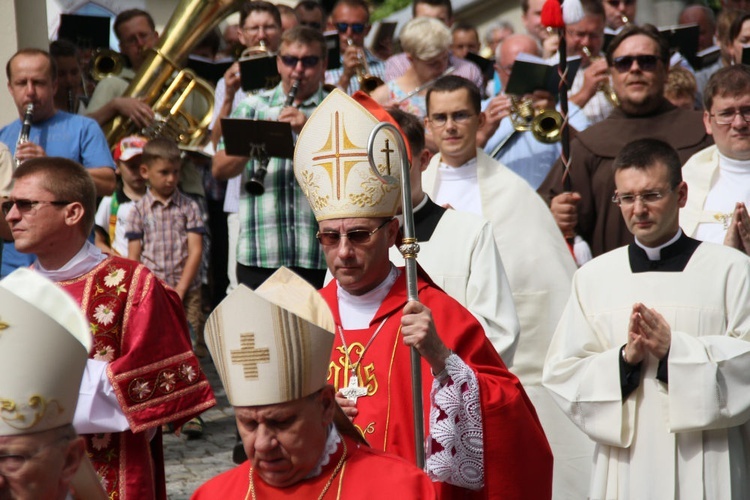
{"type": "Point", "coordinates": [356, 311]}
{"type": "Point", "coordinates": [655, 252]}
{"type": "Point", "coordinates": [87, 258]}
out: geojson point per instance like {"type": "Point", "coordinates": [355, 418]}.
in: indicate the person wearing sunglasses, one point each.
{"type": "Point", "coordinates": [375, 323]}
{"type": "Point", "coordinates": [619, 13]}
{"type": "Point", "coordinates": [651, 355]}
{"type": "Point", "coordinates": [351, 19]}
{"type": "Point", "coordinates": [719, 175]}
{"type": "Point", "coordinates": [277, 228]}
{"type": "Point", "coordinates": [637, 58]}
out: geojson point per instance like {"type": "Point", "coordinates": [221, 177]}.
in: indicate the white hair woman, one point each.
{"type": "Point", "coordinates": [426, 42]}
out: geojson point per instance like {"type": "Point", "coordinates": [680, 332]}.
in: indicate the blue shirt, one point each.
{"type": "Point", "coordinates": [70, 136]}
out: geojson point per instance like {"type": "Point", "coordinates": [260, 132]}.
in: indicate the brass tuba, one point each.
{"type": "Point", "coordinates": [189, 23]}
{"type": "Point", "coordinates": [546, 124]}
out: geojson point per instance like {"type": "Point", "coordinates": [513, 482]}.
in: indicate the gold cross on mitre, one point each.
{"type": "Point", "coordinates": [344, 150]}
{"type": "Point", "coordinates": [249, 357]}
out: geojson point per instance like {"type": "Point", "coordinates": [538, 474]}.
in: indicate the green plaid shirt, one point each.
{"type": "Point", "coordinates": [277, 228]}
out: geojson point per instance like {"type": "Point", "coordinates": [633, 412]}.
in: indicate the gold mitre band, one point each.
{"type": "Point", "coordinates": [331, 165]}
{"type": "Point", "coordinates": [271, 345]}
{"type": "Point", "coordinates": [44, 344]}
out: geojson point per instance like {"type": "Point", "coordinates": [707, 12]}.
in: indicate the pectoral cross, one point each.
{"type": "Point", "coordinates": [353, 391]}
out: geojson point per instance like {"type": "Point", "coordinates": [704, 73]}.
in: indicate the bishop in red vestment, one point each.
{"type": "Point", "coordinates": [485, 438]}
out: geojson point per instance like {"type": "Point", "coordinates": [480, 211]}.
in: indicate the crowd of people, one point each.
{"type": "Point", "coordinates": [582, 322]}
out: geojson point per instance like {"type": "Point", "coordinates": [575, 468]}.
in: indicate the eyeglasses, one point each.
{"type": "Point", "coordinates": [460, 117]}
{"type": "Point", "coordinates": [616, 3]}
{"type": "Point", "coordinates": [312, 24]}
{"type": "Point", "coordinates": [137, 38]}
{"type": "Point", "coordinates": [357, 28]}
{"type": "Point", "coordinates": [726, 116]}
{"type": "Point", "coordinates": [580, 35]}
{"type": "Point", "coordinates": [307, 61]}
{"type": "Point", "coordinates": [355, 236]}
{"type": "Point", "coordinates": [252, 30]}
{"type": "Point", "coordinates": [628, 200]}
{"type": "Point", "coordinates": [25, 206]}
{"type": "Point", "coordinates": [646, 62]}
{"type": "Point", "coordinates": [12, 464]}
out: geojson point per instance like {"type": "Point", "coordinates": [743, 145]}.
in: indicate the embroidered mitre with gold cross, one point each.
{"type": "Point", "coordinates": [271, 345]}
{"type": "Point", "coordinates": [331, 164]}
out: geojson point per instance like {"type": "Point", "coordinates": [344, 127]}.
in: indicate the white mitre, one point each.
{"type": "Point", "coordinates": [44, 343]}
{"type": "Point", "coordinates": [331, 165]}
{"type": "Point", "coordinates": [271, 345]}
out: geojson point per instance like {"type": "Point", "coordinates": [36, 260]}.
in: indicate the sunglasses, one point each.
{"type": "Point", "coordinates": [645, 62]}
{"type": "Point", "coordinates": [307, 61]}
{"type": "Point", "coordinates": [355, 236]}
{"type": "Point", "coordinates": [617, 3]}
{"type": "Point", "coordinates": [25, 206]}
{"type": "Point", "coordinates": [312, 24]}
{"type": "Point", "coordinates": [357, 28]}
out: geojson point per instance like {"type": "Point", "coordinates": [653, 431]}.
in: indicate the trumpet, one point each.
{"type": "Point", "coordinates": [604, 87]}
{"type": "Point", "coordinates": [546, 124]}
{"type": "Point", "coordinates": [367, 81]}
{"type": "Point", "coordinates": [255, 50]}
{"type": "Point", "coordinates": [23, 136]}
{"type": "Point", "coordinates": [104, 63]}
{"type": "Point", "coordinates": [255, 185]}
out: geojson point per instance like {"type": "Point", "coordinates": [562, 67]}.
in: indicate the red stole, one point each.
{"type": "Point", "coordinates": [139, 328]}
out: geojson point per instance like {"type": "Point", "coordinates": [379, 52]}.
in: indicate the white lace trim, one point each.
{"type": "Point", "coordinates": [332, 444]}
{"type": "Point", "coordinates": [456, 425]}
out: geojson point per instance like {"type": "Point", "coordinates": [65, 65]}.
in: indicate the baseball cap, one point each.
{"type": "Point", "coordinates": [129, 147]}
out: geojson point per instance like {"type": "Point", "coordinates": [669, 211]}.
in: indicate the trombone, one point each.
{"type": "Point", "coordinates": [545, 124]}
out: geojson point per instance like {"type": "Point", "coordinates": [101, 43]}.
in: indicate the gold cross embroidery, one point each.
{"type": "Point", "coordinates": [249, 357]}
{"type": "Point", "coordinates": [332, 161]}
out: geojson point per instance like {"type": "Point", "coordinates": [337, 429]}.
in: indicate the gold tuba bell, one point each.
{"type": "Point", "coordinates": [161, 70]}
{"type": "Point", "coordinates": [546, 124]}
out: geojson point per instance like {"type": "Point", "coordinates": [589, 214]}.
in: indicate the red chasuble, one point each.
{"type": "Point", "coordinates": [139, 327]}
{"type": "Point", "coordinates": [366, 474]}
{"type": "Point", "coordinates": [517, 457]}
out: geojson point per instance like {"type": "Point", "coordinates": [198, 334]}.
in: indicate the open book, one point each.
{"type": "Point", "coordinates": [532, 73]}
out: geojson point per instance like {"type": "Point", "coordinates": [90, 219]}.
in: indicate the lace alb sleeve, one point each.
{"type": "Point", "coordinates": [455, 452]}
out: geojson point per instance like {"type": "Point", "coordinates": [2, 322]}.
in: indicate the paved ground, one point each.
{"type": "Point", "coordinates": [189, 463]}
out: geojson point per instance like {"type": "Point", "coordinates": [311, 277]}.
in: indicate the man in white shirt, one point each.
{"type": "Point", "coordinates": [536, 258]}
{"type": "Point", "coordinates": [719, 176]}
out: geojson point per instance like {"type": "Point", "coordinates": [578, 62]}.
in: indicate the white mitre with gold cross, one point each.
{"type": "Point", "coordinates": [44, 343]}
{"type": "Point", "coordinates": [331, 165]}
{"type": "Point", "coordinates": [271, 345]}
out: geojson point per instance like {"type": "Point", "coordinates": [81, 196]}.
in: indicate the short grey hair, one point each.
{"type": "Point", "coordinates": [500, 25]}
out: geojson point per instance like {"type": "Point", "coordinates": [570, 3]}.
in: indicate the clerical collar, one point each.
{"type": "Point", "coordinates": [426, 217]}
{"type": "Point", "coordinates": [332, 444]}
{"type": "Point", "coordinates": [459, 171]}
{"type": "Point", "coordinates": [673, 256]}
{"type": "Point", "coordinates": [357, 311]}
{"type": "Point", "coordinates": [734, 166]}
{"type": "Point", "coordinates": [654, 253]}
{"type": "Point", "coordinates": [87, 258]}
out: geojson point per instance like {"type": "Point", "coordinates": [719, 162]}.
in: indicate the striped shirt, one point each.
{"type": "Point", "coordinates": [163, 229]}
{"type": "Point", "coordinates": [278, 227]}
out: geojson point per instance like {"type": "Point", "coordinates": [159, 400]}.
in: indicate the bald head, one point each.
{"type": "Point", "coordinates": [706, 21]}
{"type": "Point", "coordinates": [507, 52]}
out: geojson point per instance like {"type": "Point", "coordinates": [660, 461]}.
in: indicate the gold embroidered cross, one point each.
{"type": "Point", "coordinates": [337, 139]}
{"type": "Point", "coordinates": [249, 357]}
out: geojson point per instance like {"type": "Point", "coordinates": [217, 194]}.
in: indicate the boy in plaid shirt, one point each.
{"type": "Point", "coordinates": [165, 231]}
